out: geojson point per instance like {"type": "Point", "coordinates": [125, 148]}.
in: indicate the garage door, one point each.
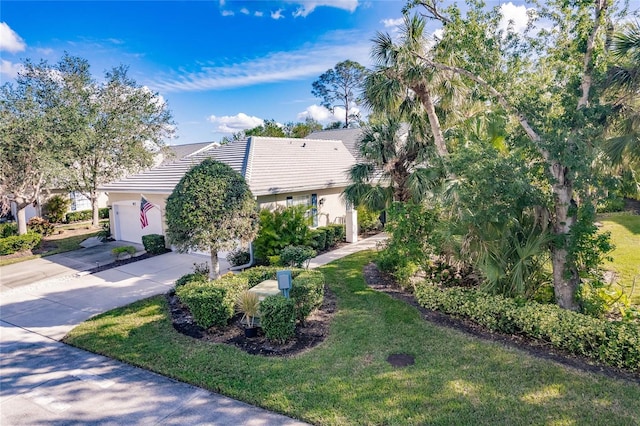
{"type": "Point", "coordinates": [127, 222]}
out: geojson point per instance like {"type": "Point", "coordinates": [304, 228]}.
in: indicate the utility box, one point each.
{"type": "Point", "coordinates": [284, 282]}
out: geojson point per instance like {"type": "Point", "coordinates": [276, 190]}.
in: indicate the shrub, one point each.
{"type": "Point", "coordinates": [105, 232]}
{"type": "Point", "coordinates": [40, 226]}
{"type": "Point", "coordinates": [8, 229]}
{"type": "Point", "coordinates": [212, 303]}
{"type": "Point", "coordinates": [56, 207]}
{"type": "Point", "coordinates": [296, 256]}
{"type": "Point", "coordinates": [79, 216]}
{"type": "Point", "coordinates": [274, 260]}
{"type": "Point", "coordinates": [368, 220]}
{"type": "Point", "coordinates": [319, 239]}
{"type": "Point", "coordinates": [331, 236]}
{"type": "Point", "coordinates": [118, 251]}
{"type": "Point", "coordinates": [613, 343]}
{"type": "Point", "coordinates": [611, 205]}
{"type": "Point", "coordinates": [189, 278]}
{"type": "Point", "coordinates": [103, 213]}
{"type": "Point", "coordinates": [281, 228]}
{"type": "Point", "coordinates": [238, 257]}
{"type": "Point", "coordinates": [17, 243]}
{"type": "Point", "coordinates": [278, 318]}
{"type": "Point", "coordinates": [307, 291]}
{"type": "Point", "coordinates": [154, 243]}
{"type": "Point", "coordinates": [339, 233]}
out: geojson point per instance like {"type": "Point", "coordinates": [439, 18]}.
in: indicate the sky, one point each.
{"type": "Point", "coordinates": [220, 65]}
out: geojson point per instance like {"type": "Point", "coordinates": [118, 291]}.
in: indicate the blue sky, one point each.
{"type": "Point", "coordinates": [221, 65]}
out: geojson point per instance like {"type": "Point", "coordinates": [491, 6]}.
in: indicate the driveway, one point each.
{"type": "Point", "coordinates": [58, 265]}
{"type": "Point", "coordinates": [43, 381]}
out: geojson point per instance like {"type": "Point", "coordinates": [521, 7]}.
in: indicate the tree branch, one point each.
{"type": "Point", "coordinates": [524, 123]}
{"type": "Point", "coordinates": [587, 67]}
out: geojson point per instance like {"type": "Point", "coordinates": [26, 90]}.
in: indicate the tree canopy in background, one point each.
{"type": "Point", "coordinates": [62, 129]}
{"type": "Point", "coordinates": [340, 87]}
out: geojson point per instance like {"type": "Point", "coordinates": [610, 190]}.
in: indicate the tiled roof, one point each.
{"type": "Point", "coordinates": [349, 137]}
{"type": "Point", "coordinates": [270, 166]}
{"type": "Point", "coordinates": [163, 178]}
{"type": "Point", "coordinates": [283, 165]}
{"type": "Point", "coordinates": [181, 151]}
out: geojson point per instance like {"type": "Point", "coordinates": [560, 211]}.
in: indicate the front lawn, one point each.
{"type": "Point", "coordinates": [456, 378]}
{"type": "Point", "coordinates": [625, 235]}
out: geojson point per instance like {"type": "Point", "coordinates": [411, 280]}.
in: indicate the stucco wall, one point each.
{"type": "Point", "coordinates": [331, 210]}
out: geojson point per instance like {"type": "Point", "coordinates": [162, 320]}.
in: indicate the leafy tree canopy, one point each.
{"type": "Point", "coordinates": [211, 209]}
{"type": "Point", "coordinates": [340, 87]}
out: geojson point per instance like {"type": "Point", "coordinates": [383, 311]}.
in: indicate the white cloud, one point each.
{"type": "Point", "coordinates": [514, 16]}
{"type": "Point", "coordinates": [244, 11]}
{"type": "Point", "coordinates": [235, 123]}
{"type": "Point", "coordinates": [44, 51]}
{"type": "Point", "coordinates": [309, 61]}
{"type": "Point", "coordinates": [277, 14]}
{"type": "Point", "coordinates": [258, 13]}
{"type": "Point", "coordinates": [9, 69]}
{"type": "Point", "coordinates": [306, 7]}
{"type": "Point", "coordinates": [9, 40]}
{"type": "Point", "coordinates": [392, 23]}
{"type": "Point", "coordinates": [323, 115]}
{"type": "Point", "coordinates": [227, 13]}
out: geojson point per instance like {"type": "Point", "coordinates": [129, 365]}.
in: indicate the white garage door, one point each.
{"type": "Point", "coordinates": [127, 222]}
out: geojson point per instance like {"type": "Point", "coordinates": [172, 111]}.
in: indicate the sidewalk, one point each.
{"type": "Point", "coordinates": [43, 381]}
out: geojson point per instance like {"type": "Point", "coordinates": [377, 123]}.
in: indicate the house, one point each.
{"type": "Point", "coordinates": [80, 202]}
{"type": "Point", "coordinates": [279, 172]}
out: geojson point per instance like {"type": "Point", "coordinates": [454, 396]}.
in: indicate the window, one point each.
{"type": "Point", "coordinates": [307, 201]}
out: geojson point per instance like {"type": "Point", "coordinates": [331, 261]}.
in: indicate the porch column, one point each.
{"type": "Point", "coordinates": [352, 224]}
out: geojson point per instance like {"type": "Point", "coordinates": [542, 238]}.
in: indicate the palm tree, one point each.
{"type": "Point", "coordinates": [396, 166]}
{"type": "Point", "coordinates": [624, 80]}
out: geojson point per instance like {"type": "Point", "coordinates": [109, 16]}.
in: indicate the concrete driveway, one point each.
{"type": "Point", "coordinates": [59, 265]}
{"type": "Point", "coordinates": [43, 381]}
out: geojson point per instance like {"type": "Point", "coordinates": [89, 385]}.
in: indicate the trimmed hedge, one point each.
{"type": "Point", "coordinates": [278, 318]}
{"type": "Point", "coordinates": [17, 243]}
{"type": "Point", "coordinates": [318, 239]}
{"type": "Point", "coordinates": [154, 243]}
{"type": "Point", "coordinates": [79, 216]}
{"type": "Point", "coordinates": [189, 278]}
{"type": "Point", "coordinates": [297, 256]}
{"type": "Point", "coordinates": [307, 291]}
{"type": "Point", "coordinates": [212, 303]}
{"type": "Point", "coordinates": [613, 343]}
{"type": "Point", "coordinates": [103, 213]}
{"type": "Point", "coordinates": [8, 229]}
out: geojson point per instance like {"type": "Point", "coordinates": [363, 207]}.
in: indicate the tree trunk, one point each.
{"type": "Point", "coordinates": [95, 222]}
{"type": "Point", "coordinates": [215, 265]}
{"type": "Point", "coordinates": [21, 218]}
{"type": "Point", "coordinates": [434, 121]}
{"type": "Point", "coordinates": [565, 273]}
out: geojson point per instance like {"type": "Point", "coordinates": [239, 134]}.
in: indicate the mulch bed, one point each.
{"type": "Point", "coordinates": [317, 327]}
{"type": "Point", "coordinates": [314, 331]}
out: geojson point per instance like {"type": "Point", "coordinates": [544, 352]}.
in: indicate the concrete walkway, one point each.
{"type": "Point", "coordinates": [43, 381]}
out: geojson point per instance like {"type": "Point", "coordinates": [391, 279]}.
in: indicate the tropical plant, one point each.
{"type": "Point", "coordinates": [56, 208]}
{"type": "Point", "coordinates": [281, 228]}
{"type": "Point", "coordinates": [248, 304]}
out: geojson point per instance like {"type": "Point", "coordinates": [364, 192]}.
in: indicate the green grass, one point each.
{"type": "Point", "coordinates": [456, 379]}
{"type": "Point", "coordinates": [625, 234]}
{"type": "Point", "coordinates": [62, 245]}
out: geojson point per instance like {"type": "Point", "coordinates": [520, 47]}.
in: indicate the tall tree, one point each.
{"type": "Point", "coordinates": [29, 143]}
{"type": "Point", "coordinates": [110, 129]}
{"type": "Point", "coordinates": [550, 82]}
{"type": "Point", "coordinates": [338, 86]}
{"type": "Point", "coordinates": [210, 209]}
